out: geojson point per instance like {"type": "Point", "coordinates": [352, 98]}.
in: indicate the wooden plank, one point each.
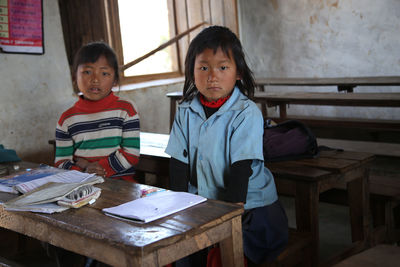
{"type": "Point", "coordinates": [230, 15]}
{"type": "Point", "coordinates": [355, 129]}
{"type": "Point", "coordinates": [116, 242]}
{"type": "Point", "coordinates": [380, 255]}
{"type": "Point", "coordinates": [349, 155]}
{"type": "Point", "coordinates": [358, 199]}
{"type": "Point", "coordinates": [330, 99]}
{"type": "Point", "coordinates": [195, 9]}
{"type": "Point", "coordinates": [291, 171]}
{"type": "Point", "coordinates": [233, 243]}
{"type": "Point", "coordinates": [217, 12]}
{"type": "Point", "coordinates": [377, 148]}
{"type": "Point", "coordinates": [329, 164]}
{"type": "Point", "coordinates": [334, 81]}
{"type": "Point", "coordinates": [306, 201]}
{"type": "Point", "coordinates": [206, 11]}
{"type": "Point", "coordinates": [182, 25]}
{"type": "Point", "coordinates": [385, 185]}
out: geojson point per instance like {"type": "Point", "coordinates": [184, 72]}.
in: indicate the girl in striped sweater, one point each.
{"type": "Point", "coordinates": [100, 132]}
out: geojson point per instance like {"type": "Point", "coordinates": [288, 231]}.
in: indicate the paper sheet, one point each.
{"type": "Point", "coordinates": [155, 206]}
{"type": "Point", "coordinates": [62, 177]}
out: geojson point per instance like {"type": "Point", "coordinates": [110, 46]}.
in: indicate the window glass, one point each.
{"type": "Point", "coordinates": [145, 25]}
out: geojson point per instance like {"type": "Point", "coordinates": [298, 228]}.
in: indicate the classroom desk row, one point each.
{"type": "Point", "coordinates": [342, 83]}
{"type": "Point", "coordinates": [305, 180]}
{"type": "Point", "coordinates": [331, 127]}
{"type": "Point", "coordinates": [282, 100]}
{"type": "Point", "coordinates": [88, 231]}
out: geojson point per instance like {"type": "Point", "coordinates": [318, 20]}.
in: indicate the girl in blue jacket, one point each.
{"type": "Point", "coordinates": [216, 139]}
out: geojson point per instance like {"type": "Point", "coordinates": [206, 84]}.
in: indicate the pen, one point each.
{"type": "Point", "coordinates": [151, 191]}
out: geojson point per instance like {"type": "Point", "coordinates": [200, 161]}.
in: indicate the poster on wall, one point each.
{"type": "Point", "coordinates": [21, 26]}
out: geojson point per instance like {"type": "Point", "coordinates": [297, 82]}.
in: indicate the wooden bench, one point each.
{"type": "Point", "coordinates": [384, 199]}
{"type": "Point", "coordinates": [342, 83]}
{"type": "Point", "coordinates": [297, 251]}
{"type": "Point", "coordinates": [377, 136]}
{"type": "Point", "coordinates": [381, 255]}
{"type": "Point", "coordinates": [334, 127]}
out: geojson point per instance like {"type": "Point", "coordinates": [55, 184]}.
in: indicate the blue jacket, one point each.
{"type": "Point", "coordinates": [210, 146]}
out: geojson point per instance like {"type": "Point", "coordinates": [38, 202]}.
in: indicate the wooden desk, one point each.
{"type": "Point", "coordinates": [342, 83]}
{"type": "Point", "coordinates": [307, 179]}
{"type": "Point", "coordinates": [174, 97]}
{"type": "Point", "coordinates": [381, 255]}
{"type": "Point", "coordinates": [329, 99]}
{"type": "Point", "coordinates": [116, 242]}
{"type": "Point", "coordinates": [153, 159]}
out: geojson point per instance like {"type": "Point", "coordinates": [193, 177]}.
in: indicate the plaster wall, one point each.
{"type": "Point", "coordinates": [153, 106]}
{"type": "Point", "coordinates": [34, 90]}
{"type": "Point", "coordinates": [323, 38]}
{"type": "Point", "coordinates": [303, 38]}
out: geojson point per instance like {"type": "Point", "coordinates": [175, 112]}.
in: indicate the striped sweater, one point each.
{"type": "Point", "coordinates": [107, 131]}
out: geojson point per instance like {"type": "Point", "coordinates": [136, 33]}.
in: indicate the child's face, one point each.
{"type": "Point", "coordinates": [215, 74]}
{"type": "Point", "coordinates": [95, 80]}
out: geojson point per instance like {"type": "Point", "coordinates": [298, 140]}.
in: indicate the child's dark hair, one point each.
{"type": "Point", "coordinates": [215, 37]}
{"type": "Point", "coordinates": [90, 53]}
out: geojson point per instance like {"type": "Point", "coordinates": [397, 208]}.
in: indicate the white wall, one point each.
{"type": "Point", "coordinates": [34, 90]}
{"type": "Point", "coordinates": [323, 38]}
{"type": "Point", "coordinates": [153, 106]}
{"type": "Point", "coordinates": [308, 38]}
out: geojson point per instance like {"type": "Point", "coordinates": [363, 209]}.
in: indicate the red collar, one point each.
{"type": "Point", "coordinates": [213, 104]}
{"type": "Point", "coordinates": [95, 106]}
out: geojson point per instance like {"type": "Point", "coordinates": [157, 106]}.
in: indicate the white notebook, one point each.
{"type": "Point", "coordinates": [155, 206]}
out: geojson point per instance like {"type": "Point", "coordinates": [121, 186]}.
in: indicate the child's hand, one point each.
{"type": "Point", "coordinates": [82, 163]}
{"type": "Point", "coordinates": [95, 167]}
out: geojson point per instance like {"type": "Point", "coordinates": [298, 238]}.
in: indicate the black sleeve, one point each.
{"type": "Point", "coordinates": [238, 181]}
{"type": "Point", "coordinates": [178, 175]}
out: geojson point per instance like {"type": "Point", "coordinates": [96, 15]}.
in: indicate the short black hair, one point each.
{"type": "Point", "coordinates": [91, 53]}
{"type": "Point", "coordinates": [215, 37]}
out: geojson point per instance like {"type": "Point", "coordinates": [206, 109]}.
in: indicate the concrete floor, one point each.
{"type": "Point", "coordinates": [334, 226]}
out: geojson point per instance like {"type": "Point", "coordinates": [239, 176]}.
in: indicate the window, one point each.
{"type": "Point", "coordinates": [135, 27]}
{"type": "Point", "coordinates": [136, 41]}
{"type": "Point", "coordinates": [143, 27]}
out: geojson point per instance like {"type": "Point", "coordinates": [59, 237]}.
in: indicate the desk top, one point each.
{"type": "Point", "coordinates": [325, 166]}
{"type": "Point", "coordinates": [114, 241]}
{"type": "Point", "coordinates": [334, 81]}
{"type": "Point", "coordinates": [153, 144]}
{"type": "Point", "coordinates": [335, 99]}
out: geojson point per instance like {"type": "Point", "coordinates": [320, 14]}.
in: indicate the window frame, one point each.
{"type": "Point", "coordinates": [114, 39]}
{"type": "Point", "coordinates": [184, 14]}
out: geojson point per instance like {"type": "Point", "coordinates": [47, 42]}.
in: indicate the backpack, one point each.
{"type": "Point", "coordinates": [289, 140]}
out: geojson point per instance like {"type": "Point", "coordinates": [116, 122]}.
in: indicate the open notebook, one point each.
{"type": "Point", "coordinates": [155, 206]}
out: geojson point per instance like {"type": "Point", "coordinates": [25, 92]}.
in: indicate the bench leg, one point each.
{"type": "Point", "coordinates": [358, 196]}
{"type": "Point", "coordinates": [306, 202]}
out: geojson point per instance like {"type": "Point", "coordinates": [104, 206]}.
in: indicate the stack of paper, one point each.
{"type": "Point", "coordinates": [8, 183]}
{"type": "Point", "coordinates": [155, 206]}
{"type": "Point", "coordinates": [43, 189]}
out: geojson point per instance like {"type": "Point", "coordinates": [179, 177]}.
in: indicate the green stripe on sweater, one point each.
{"type": "Point", "coordinates": [131, 142]}
{"type": "Point", "coordinates": [64, 151]}
{"type": "Point", "coordinates": [107, 142]}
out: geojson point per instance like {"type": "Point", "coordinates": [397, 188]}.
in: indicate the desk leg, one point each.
{"type": "Point", "coordinates": [263, 105]}
{"type": "Point", "coordinates": [172, 110]}
{"type": "Point", "coordinates": [232, 247]}
{"type": "Point", "coordinates": [358, 196]}
{"type": "Point", "coordinates": [306, 201]}
{"type": "Point", "coordinates": [282, 111]}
